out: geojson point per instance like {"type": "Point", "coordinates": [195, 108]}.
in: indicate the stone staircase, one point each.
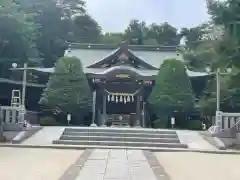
{"type": "Point", "coordinates": [138, 138]}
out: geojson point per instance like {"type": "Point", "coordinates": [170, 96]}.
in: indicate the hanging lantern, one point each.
{"type": "Point", "coordinates": [116, 99]}
{"type": "Point", "coordinates": [128, 99]}
{"type": "Point", "coordinates": [109, 98]}
{"type": "Point", "coordinates": [121, 99]}
{"type": "Point", "coordinates": [125, 100]}
{"type": "Point", "coordinates": [132, 98]}
{"type": "Point", "coordinates": [112, 99]}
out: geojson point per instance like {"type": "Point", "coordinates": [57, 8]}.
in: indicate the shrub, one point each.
{"type": "Point", "coordinates": [161, 123]}
{"type": "Point", "coordinates": [195, 124]}
{"type": "Point", "coordinates": [173, 90]}
{"type": "Point", "coordinates": [67, 88]}
{"type": "Point", "coordinates": [48, 121]}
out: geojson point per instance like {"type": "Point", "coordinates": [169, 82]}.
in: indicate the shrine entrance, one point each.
{"type": "Point", "coordinates": [121, 84]}
{"type": "Point", "coordinates": [121, 94]}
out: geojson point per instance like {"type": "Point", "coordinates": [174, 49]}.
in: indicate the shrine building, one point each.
{"type": "Point", "coordinates": [121, 78]}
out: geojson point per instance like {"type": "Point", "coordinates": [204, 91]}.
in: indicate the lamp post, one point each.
{"type": "Point", "coordinates": [24, 82]}
{"type": "Point", "coordinates": [218, 74]}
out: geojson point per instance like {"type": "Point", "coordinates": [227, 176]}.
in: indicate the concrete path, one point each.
{"type": "Point", "coordinates": [45, 136]}
{"type": "Point", "coordinates": [200, 166]}
{"type": "Point", "coordinates": [194, 140]}
{"type": "Point", "coordinates": [116, 165]}
{"type": "Point", "coordinates": [35, 164]}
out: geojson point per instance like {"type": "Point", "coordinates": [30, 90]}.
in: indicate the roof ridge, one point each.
{"type": "Point", "coordinates": [76, 45]}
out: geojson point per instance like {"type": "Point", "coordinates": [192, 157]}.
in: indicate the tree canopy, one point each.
{"type": "Point", "coordinates": [139, 33]}
{"type": "Point", "coordinates": [216, 45]}
{"type": "Point", "coordinates": [36, 31]}
{"type": "Point", "coordinates": [173, 90]}
{"type": "Point", "coordinates": [67, 88]}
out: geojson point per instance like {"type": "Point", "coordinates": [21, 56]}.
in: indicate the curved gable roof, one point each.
{"type": "Point", "coordinates": [95, 55]}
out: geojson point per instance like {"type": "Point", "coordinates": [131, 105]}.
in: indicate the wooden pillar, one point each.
{"type": "Point", "coordinates": [138, 112]}
{"type": "Point", "coordinates": [104, 109]}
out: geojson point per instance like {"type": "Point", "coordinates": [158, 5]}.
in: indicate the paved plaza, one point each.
{"type": "Point", "coordinates": [106, 164]}
{"type": "Point", "coordinates": [49, 164]}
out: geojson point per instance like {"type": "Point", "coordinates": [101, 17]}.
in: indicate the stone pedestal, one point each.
{"type": "Point", "coordinates": [237, 138]}
{"type": "Point", "coordinates": [93, 125]}
{"type": "Point", "coordinates": [2, 138]}
{"type": "Point", "coordinates": [138, 125]}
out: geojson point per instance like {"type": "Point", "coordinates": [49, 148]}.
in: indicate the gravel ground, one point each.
{"type": "Point", "coordinates": [35, 164]}
{"type": "Point", "coordinates": [199, 166]}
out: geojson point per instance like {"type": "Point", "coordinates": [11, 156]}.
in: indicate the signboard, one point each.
{"type": "Point", "coordinates": [123, 76]}
{"type": "Point", "coordinates": [172, 122]}
{"type": "Point", "coordinates": [69, 118]}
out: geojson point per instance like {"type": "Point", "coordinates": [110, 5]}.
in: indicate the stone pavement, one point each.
{"type": "Point", "coordinates": [116, 165]}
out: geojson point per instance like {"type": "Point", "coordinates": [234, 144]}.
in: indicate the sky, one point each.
{"type": "Point", "coordinates": [115, 15]}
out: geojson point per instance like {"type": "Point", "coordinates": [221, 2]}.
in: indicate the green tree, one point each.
{"type": "Point", "coordinates": [52, 32]}
{"type": "Point", "coordinates": [202, 56]}
{"type": "Point", "coordinates": [150, 42]}
{"type": "Point", "coordinates": [15, 20]}
{"type": "Point", "coordinates": [208, 100]}
{"type": "Point", "coordinates": [68, 88]}
{"type": "Point", "coordinates": [173, 89]}
{"type": "Point", "coordinates": [112, 38]}
{"type": "Point", "coordinates": [86, 29]}
{"type": "Point", "coordinates": [227, 14]}
{"type": "Point", "coordinates": [193, 36]}
{"type": "Point", "coordinates": [17, 35]}
{"type": "Point", "coordinates": [136, 32]}
{"type": "Point", "coordinates": [224, 14]}
{"type": "Point", "coordinates": [165, 34]}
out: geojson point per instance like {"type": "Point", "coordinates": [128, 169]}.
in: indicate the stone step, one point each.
{"type": "Point", "coordinates": [114, 138]}
{"type": "Point", "coordinates": [120, 134]}
{"type": "Point", "coordinates": [121, 143]}
{"type": "Point", "coordinates": [121, 130]}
